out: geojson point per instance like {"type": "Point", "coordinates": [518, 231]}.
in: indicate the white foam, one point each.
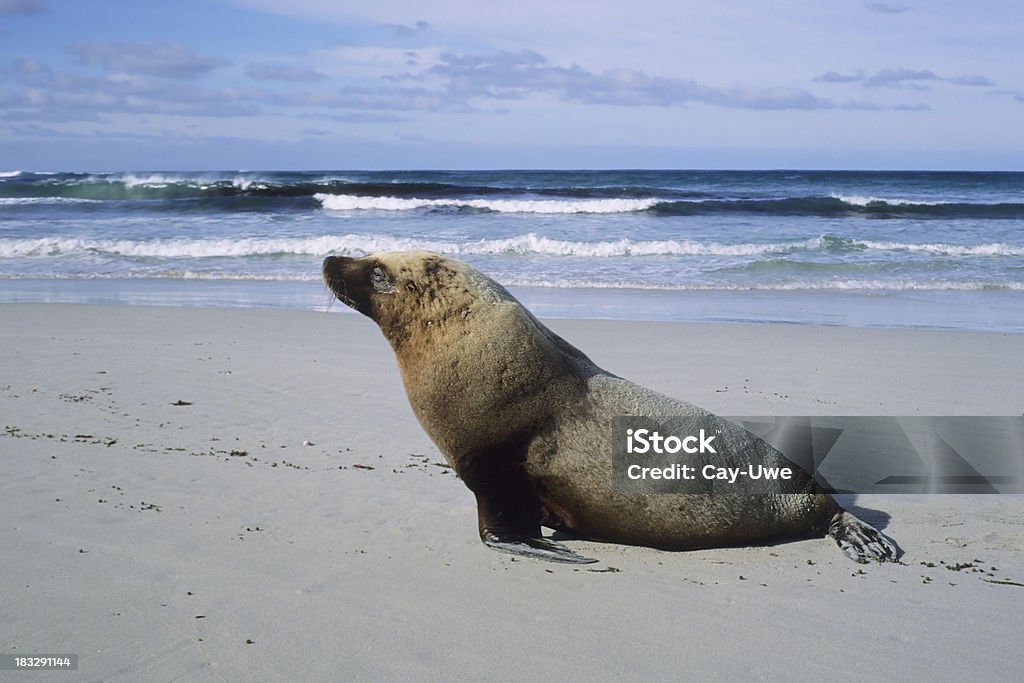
{"type": "Point", "coordinates": [161, 180]}
{"type": "Point", "coordinates": [9, 174]}
{"type": "Point", "coordinates": [242, 277]}
{"type": "Point", "coordinates": [532, 243]}
{"type": "Point", "coordinates": [359, 245]}
{"type": "Point", "coordinates": [858, 200]}
{"type": "Point", "coordinates": [151, 180]}
{"type": "Point", "coordinates": [346, 202]}
{"type": "Point", "coordinates": [526, 244]}
{"type": "Point", "coordinates": [45, 200]}
{"type": "Point", "coordinates": [172, 275]}
{"type": "Point", "coordinates": [850, 285]}
{"type": "Point", "coordinates": [998, 249]}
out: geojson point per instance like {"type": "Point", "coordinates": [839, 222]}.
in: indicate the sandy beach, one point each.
{"type": "Point", "coordinates": [244, 494]}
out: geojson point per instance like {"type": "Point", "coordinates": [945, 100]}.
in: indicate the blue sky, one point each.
{"type": "Point", "coordinates": [317, 84]}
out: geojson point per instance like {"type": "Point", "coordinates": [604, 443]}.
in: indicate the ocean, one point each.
{"type": "Point", "coordinates": [889, 249]}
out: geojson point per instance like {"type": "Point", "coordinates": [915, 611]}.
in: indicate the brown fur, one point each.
{"type": "Point", "coordinates": [525, 418]}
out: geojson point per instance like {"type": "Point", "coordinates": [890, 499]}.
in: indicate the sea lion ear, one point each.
{"type": "Point", "coordinates": [380, 281]}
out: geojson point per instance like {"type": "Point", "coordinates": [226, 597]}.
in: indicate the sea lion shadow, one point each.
{"type": "Point", "coordinates": [557, 535]}
{"type": "Point", "coordinates": [877, 518]}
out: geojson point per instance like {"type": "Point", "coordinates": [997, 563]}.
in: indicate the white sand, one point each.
{"type": "Point", "coordinates": [157, 540]}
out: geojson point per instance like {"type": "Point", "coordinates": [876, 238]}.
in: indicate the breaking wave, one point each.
{"type": "Point", "coordinates": [551, 206]}
{"type": "Point", "coordinates": [793, 285]}
{"type": "Point", "coordinates": [525, 244]}
{"type": "Point", "coordinates": [303, 191]}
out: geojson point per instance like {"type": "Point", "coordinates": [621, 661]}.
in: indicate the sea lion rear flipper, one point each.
{"type": "Point", "coordinates": [860, 541]}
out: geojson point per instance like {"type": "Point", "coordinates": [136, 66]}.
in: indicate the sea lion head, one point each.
{"type": "Point", "coordinates": [467, 350]}
{"type": "Point", "coordinates": [406, 292]}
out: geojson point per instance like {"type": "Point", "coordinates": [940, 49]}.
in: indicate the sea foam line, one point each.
{"type": "Point", "coordinates": [359, 245]}
{"type": "Point", "coordinates": [858, 200]}
{"type": "Point", "coordinates": [997, 249]}
{"type": "Point", "coordinates": [526, 244]}
{"type": "Point", "coordinates": [347, 202]}
{"type": "Point", "coordinates": [15, 201]}
{"type": "Point", "coordinates": [797, 285]}
{"type": "Point", "coordinates": [851, 285]}
{"type": "Point", "coordinates": [511, 280]}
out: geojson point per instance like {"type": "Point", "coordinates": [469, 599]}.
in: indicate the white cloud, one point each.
{"type": "Point", "coordinates": [418, 29]}
{"type": "Point", "coordinates": [514, 75]}
{"type": "Point", "coordinates": [158, 58]}
{"type": "Point", "coordinates": [836, 77]}
{"type": "Point", "coordinates": [971, 80]}
{"type": "Point", "coordinates": [883, 8]}
{"type": "Point", "coordinates": [276, 71]}
{"type": "Point", "coordinates": [901, 77]}
{"type": "Point", "coordinates": [370, 63]}
{"type": "Point", "coordinates": [22, 7]}
{"type": "Point", "coordinates": [898, 77]}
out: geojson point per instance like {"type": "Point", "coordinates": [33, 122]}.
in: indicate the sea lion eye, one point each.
{"type": "Point", "coordinates": [380, 281]}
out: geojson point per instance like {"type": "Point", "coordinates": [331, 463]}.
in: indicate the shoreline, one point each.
{"type": "Point", "coordinates": [967, 310]}
{"type": "Point", "coordinates": [211, 493]}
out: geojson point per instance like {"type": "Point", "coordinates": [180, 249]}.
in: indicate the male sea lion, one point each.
{"type": "Point", "coordinates": [525, 420]}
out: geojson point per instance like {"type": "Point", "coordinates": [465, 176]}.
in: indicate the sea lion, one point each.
{"type": "Point", "coordinates": [524, 418]}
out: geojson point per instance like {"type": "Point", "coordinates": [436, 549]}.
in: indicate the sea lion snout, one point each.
{"type": "Point", "coordinates": [334, 271]}
{"type": "Point", "coordinates": [335, 265]}
{"type": "Point", "coordinates": [338, 259]}
{"type": "Point", "coordinates": [347, 280]}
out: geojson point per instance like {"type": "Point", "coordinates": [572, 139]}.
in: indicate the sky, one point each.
{"type": "Point", "coordinates": [108, 85]}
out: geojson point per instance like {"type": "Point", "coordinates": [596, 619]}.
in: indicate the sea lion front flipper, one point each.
{"type": "Point", "coordinates": [508, 509]}
{"type": "Point", "coordinates": [509, 513]}
{"type": "Point", "coordinates": [537, 548]}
